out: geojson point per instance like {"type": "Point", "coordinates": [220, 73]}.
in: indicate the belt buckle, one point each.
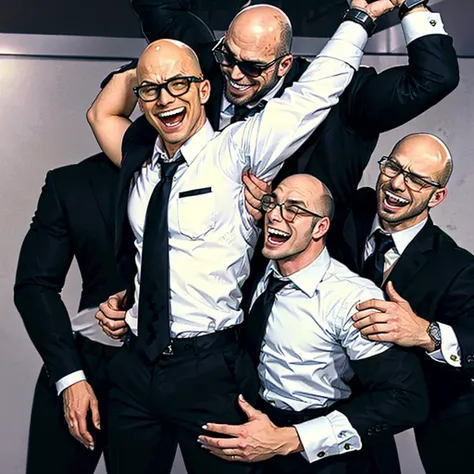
{"type": "Point", "coordinates": [168, 350]}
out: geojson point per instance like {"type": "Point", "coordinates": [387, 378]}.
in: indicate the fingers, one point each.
{"type": "Point", "coordinates": [379, 305]}
{"type": "Point", "coordinates": [248, 409]}
{"type": "Point", "coordinates": [379, 8]}
{"type": "Point", "coordinates": [368, 317]}
{"type": "Point", "coordinates": [94, 406]}
{"type": "Point", "coordinates": [377, 328]}
{"type": "Point", "coordinates": [221, 443]}
{"type": "Point", "coordinates": [109, 312]}
{"type": "Point", "coordinates": [230, 430]}
{"type": "Point", "coordinates": [117, 301]}
{"type": "Point", "coordinates": [76, 420]}
{"type": "Point", "coordinates": [252, 205]}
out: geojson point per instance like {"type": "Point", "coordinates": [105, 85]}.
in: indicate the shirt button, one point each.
{"type": "Point", "coordinates": [321, 454]}
{"type": "Point", "coordinates": [341, 434]}
{"type": "Point", "coordinates": [211, 326]}
{"type": "Point", "coordinates": [347, 446]}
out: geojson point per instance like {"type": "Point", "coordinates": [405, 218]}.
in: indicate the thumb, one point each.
{"type": "Point", "coordinates": [248, 409]}
{"type": "Point", "coordinates": [379, 8]}
{"type": "Point", "coordinates": [392, 294]}
{"type": "Point", "coordinates": [114, 302]}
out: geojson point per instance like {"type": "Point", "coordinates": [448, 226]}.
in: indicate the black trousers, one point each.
{"type": "Point", "coordinates": [357, 462]}
{"type": "Point", "coordinates": [154, 407]}
{"type": "Point", "coordinates": [446, 440]}
{"type": "Point", "coordinates": [51, 449]}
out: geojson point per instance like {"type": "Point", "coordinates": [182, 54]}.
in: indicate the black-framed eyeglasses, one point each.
{"type": "Point", "coordinates": [249, 68]}
{"type": "Point", "coordinates": [288, 210]}
{"type": "Point", "coordinates": [391, 169]}
{"type": "Point", "coordinates": [176, 87]}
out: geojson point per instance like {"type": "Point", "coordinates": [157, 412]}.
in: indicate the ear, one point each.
{"type": "Point", "coordinates": [204, 91]}
{"type": "Point", "coordinates": [321, 228]}
{"type": "Point", "coordinates": [438, 197]}
{"type": "Point", "coordinates": [285, 65]}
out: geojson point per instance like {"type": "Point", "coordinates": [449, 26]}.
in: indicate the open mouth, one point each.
{"type": "Point", "coordinates": [172, 118]}
{"type": "Point", "coordinates": [276, 237]}
{"type": "Point", "coordinates": [239, 87]}
{"type": "Point", "coordinates": [393, 202]}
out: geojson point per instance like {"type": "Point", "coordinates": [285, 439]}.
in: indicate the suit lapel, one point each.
{"type": "Point", "coordinates": [413, 258]}
{"type": "Point", "coordinates": [103, 181]}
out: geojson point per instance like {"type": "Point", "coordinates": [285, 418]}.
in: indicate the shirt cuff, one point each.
{"type": "Point", "coordinates": [327, 436]}
{"type": "Point", "coordinates": [450, 351]}
{"type": "Point", "coordinates": [347, 44]}
{"type": "Point", "coordinates": [418, 24]}
{"type": "Point", "coordinates": [68, 380]}
{"type": "Point", "coordinates": [132, 321]}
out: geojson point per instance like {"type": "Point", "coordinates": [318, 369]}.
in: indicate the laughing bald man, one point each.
{"type": "Point", "coordinates": [389, 237]}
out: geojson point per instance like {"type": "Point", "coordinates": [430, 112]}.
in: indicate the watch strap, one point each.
{"type": "Point", "coordinates": [362, 18]}
{"type": "Point", "coordinates": [434, 332]}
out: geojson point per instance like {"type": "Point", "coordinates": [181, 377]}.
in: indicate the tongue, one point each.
{"type": "Point", "coordinates": [393, 202]}
{"type": "Point", "coordinates": [278, 239]}
{"type": "Point", "coordinates": [172, 118]}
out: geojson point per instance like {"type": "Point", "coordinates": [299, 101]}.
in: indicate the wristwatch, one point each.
{"type": "Point", "coordinates": [434, 332]}
{"type": "Point", "coordinates": [361, 17]}
{"type": "Point", "coordinates": [409, 5]}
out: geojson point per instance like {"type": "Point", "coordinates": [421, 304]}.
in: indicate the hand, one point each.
{"type": "Point", "coordinates": [111, 317]}
{"type": "Point", "coordinates": [78, 399]}
{"type": "Point", "coordinates": [254, 441]}
{"type": "Point", "coordinates": [376, 9]}
{"type": "Point", "coordinates": [392, 321]}
{"type": "Point", "coordinates": [255, 188]}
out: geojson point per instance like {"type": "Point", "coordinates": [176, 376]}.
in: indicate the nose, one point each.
{"type": "Point", "coordinates": [236, 74]}
{"type": "Point", "coordinates": [275, 215]}
{"type": "Point", "coordinates": [398, 182]}
{"type": "Point", "coordinates": [165, 98]}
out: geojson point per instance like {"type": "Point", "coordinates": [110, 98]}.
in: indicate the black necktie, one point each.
{"type": "Point", "coordinates": [242, 112]}
{"type": "Point", "coordinates": [154, 301]}
{"type": "Point", "coordinates": [373, 266]}
{"type": "Point", "coordinates": [256, 320]}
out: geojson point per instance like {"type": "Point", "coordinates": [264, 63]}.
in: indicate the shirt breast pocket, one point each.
{"type": "Point", "coordinates": [196, 212]}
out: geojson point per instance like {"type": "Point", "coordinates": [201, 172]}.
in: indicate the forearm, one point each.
{"type": "Point", "coordinates": [110, 112]}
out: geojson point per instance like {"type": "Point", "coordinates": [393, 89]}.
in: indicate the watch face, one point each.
{"type": "Point", "coordinates": [435, 332]}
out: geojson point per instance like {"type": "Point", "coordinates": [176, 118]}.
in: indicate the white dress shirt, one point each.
{"type": "Point", "coordinates": [85, 324]}
{"type": "Point", "coordinates": [307, 348]}
{"type": "Point", "coordinates": [211, 235]}
{"type": "Point", "coordinates": [450, 351]}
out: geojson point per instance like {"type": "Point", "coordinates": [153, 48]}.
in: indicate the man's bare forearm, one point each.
{"type": "Point", "coordinates": [110, 112]}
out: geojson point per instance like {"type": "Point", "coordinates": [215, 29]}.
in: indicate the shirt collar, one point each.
{"type": "Point", "coordinates": [189, 150]}
{"type": "Point", "coordinates": [228, 108]}
{"type": "Point", "coordinates": [401, 238]}
{"type": "Point", "coordinates": [306, 279]}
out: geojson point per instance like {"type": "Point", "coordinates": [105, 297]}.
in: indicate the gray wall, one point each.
{"type": "Point", "coordinates": [43, 126]}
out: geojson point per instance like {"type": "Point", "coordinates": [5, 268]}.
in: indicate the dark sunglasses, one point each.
{"type": "Point", "coordinates": [248, 68]}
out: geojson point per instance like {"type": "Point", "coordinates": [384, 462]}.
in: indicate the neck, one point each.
{"type": "Point", "coordinates": [295, 263]}
{"type": "Point", "coordinates": [393, 227]}
{"type": "Point", "coordinates": [173, 148]}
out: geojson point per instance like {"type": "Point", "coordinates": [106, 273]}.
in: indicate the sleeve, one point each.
{"type": "Point", "coordinates": [265, 140]}
{"type": "Point", "coordinates": [44, 261]}
{"type": "Point", "coordinates": [450, 351]}
{"type": "Point", "coordinates": [380, 102]}
{"type": "Point", "coordinates": [457, 310]}
{"type": "Point", "coordinates": [327, 436]}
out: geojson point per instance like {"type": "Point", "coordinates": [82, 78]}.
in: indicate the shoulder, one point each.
{"type": "Point", "coordinates": [350, 287]}
{"type": "Point", "coordinates": [447, 249]}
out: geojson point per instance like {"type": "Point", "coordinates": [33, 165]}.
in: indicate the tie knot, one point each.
{"type": "Point", "coordinates": [275, 285]}
{"type": "Point", "coordinates": [168, 168]}
{"type": "Point", "coordinates": [383, 242]}
{"type": "Point", "coordinates": [242, 112]}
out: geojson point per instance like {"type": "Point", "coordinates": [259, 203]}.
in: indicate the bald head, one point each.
{"type": "Point", "coordinates": [431, 150]}
{"type": "Point", "coordinates": [315, 194]}
{"type": "Point", "coordinates": [264, 26]}
{"type": "Point", "coordinates": [165, 55]}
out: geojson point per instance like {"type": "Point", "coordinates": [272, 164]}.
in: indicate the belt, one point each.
{"type": "Point", "coordinates": [195, 345]}
{"type": "Point", "coordinates": [290, 417]}
{"type": "Point", "coordinates": [95, 348]}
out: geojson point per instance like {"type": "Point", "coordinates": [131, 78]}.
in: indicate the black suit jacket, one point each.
{"type": "Point", "coordinates": [74, 218]}
{"type": "Point", "coordinates": [340, 148]}
{"type": "Point", "coordinates": [436, 277]}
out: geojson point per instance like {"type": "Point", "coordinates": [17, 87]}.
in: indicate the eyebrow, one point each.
{"type": "Point", "coordinates": [294, 202]}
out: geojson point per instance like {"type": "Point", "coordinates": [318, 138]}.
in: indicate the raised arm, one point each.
{"type": "Point", "coordinates": [110, 112]}
{"type": "Point", "coordinates": [380, 102]}
{"type": "Point", "coordinates": [172, 19]}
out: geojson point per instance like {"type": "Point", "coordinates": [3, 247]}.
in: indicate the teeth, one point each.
{"type": "Point", "coordinates": [277, 232]}
{"type": "Point", "coordinates": [396, 198]}
{"type": "Point", "coordinates": [170, 113]}
{"type": "Point", "coordinates": [240, 87]}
